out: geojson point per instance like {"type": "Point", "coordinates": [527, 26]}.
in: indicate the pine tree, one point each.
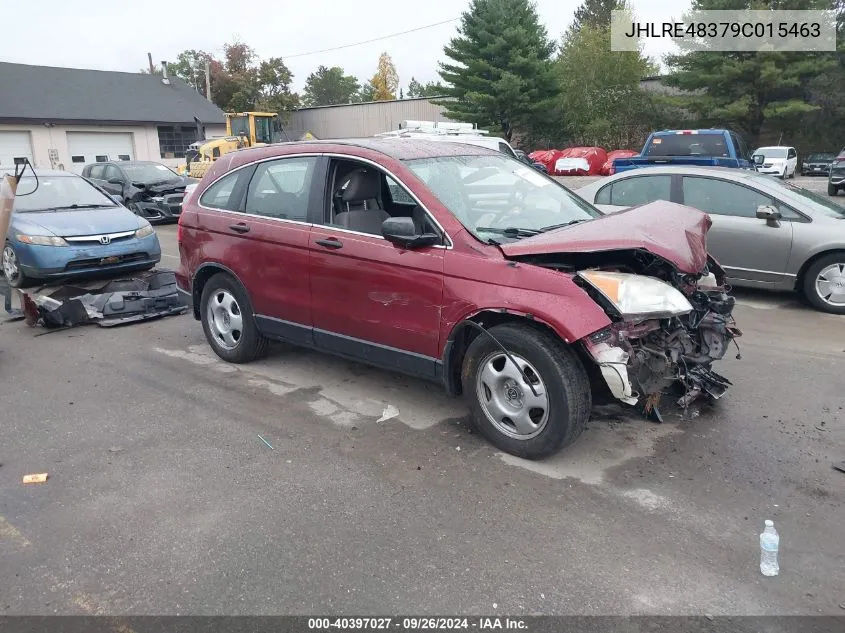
{"type": "Point", "coordinates": [745, 90]}
{"type": "Point", "coordinates": [501, 73]}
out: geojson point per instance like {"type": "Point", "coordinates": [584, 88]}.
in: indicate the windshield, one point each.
{"type": "Point", "coordinates": [771, 152]}
{"type": "Point", "coordinates": [821, 158]}
{"type": "Point", "coordinates": [688, 145]}
{"type": "Point", "coordinates": [58, 192]}
{"type": "Point", "coordinates": [149, 172]}
{"type": "Point", "coordinates": [497, 197]}
{"type": "Point", "coordinates": [817, 203]}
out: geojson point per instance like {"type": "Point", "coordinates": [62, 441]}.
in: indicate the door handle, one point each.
{"type": "Point", "coordinates": [331, 243]}
{"type": "Point", "coordinates": [240, 227]}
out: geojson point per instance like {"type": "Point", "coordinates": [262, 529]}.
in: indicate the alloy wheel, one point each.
{"type": "Point", "coordinates": [10, 264]}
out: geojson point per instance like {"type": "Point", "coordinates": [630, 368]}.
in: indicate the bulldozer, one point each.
{"type": "Point", "coordinates": [243, 129]}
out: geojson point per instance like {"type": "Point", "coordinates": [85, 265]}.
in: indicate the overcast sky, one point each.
{"type": "Point", "coordinates": [118, 35]}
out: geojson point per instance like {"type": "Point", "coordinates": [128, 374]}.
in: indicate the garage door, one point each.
{"type": "Point", "coordinates": [97, 147]}
{"type": "Point", "coordinates": [14, 145]}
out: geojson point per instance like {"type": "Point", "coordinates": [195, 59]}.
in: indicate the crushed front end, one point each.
{"type": "Point", "coordinates": [158, 204]}
{"type": "Point", "coordinates": [669, 336]}
{"type": "Point", "coordinates": [668, 326]}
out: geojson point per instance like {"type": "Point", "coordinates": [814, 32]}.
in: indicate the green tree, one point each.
{"type": "Point", "coordinates": [274, 93]}
{"type": "Point", "coordinates": [190, 66]}
{"type": "Point", "coordinates": [595, 13]}
{"type": "Point", "coordinates": [386, 80]}
{"type": "Point", "coordinates": [748, 91]}
{"type": "Point", "coordinates": [329, 86]}
{"type": "Point", "coordinates": [500, 75]}
{"type": "Point", "coordinates": [429, 89]}
{"type": "Point", "coordinates": [601, 101]}
{"type": "Point", "coordinates": [367, 92]}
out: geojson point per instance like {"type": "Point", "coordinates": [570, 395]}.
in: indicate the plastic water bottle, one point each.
{"type": "Point", "coordinates": [769, 541]}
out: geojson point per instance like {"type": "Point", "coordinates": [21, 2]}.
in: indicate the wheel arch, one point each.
{"type": "Point", "coordinates": [201, 277]}
{"type": "Point", "coordinates": [462, 334]}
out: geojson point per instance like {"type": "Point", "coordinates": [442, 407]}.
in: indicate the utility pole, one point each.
{"type": "Point", "coordinates": [152, 68]}
{"type": "Point", "coordinates": [208, 80]}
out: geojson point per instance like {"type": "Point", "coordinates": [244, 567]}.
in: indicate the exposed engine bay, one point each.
{"type": "Point", "coordinates": [642, 356]}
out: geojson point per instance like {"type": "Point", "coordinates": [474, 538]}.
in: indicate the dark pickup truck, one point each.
{"type": "Point", "coordinates": [716, 148]}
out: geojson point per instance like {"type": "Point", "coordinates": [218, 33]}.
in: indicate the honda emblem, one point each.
{"type": "Point", "coordinates": [105, 239]}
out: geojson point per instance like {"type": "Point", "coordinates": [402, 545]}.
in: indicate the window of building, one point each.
{"type": "Point", "coordinates": [102, 158]}
{"type": "Point", "coordinates": [173, 140]}
{"type": "Point", "coordinates": [123, 157]}
{"type": "Point", "coordinates": [77, 159]}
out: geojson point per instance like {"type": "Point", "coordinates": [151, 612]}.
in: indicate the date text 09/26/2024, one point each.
{"type": "Point", "coordinates": [417, 623]}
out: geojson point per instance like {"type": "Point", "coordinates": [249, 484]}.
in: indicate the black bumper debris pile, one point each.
{"type": "Point", "coordinates": [139, 297]}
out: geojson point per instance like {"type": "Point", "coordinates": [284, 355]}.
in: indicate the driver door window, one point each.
{"type": "Point", "coordinates": [723, 198]}
{"type": "Point", "coordinates": [112, 172]}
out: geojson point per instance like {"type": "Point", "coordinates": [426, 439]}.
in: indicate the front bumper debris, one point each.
{"type": "Point", "coordinates": [148, 295]}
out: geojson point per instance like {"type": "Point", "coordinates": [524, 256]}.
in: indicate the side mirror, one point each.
{"type": "Point", "coordinates": [139, 185]}
{"type": "Point", "coordinates": [758, 159]}
{"type": "Point", "coordinates": [115, 181]}
{"type": "Point", "coordinates": [769, 213]}
{"type": "Point", "coordinates": [402, 232]}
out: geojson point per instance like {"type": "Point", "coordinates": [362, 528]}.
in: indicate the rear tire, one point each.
{"type": "Point", "coordinates": [815, 285]}
{"type": "Point", "coordinates": [505, 409]}
{"type": "Point", "coordinates": [228, 321]}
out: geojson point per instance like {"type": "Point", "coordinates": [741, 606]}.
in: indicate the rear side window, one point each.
{"type": "Point", "coordinates": [637, 190]}
{"type": "Point", "coordinates": [688, 145]}
{"type": "Point", "coordinates": [280, 188]}
{"type": "Point", "coordinates": [219, 195]}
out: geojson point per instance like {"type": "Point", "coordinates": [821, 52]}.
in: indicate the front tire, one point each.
{"type": "Point", "coordinates": [228, 321]}
{"type": "Point", "coordinates": [12, 268]}
{"type": "Point", "coordinates": [831, 190]}
{"type": "Point", "coordinates": [824, 283]}
{"type": "Point", "coordinates": [506, 410]}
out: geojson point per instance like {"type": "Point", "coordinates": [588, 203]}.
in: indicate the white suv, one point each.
{"type": "Point", "coordinates": [452, 132]}
{"type": "Point", "coordinates": [779, 160]}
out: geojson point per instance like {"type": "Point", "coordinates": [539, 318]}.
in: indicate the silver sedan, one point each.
{"type": "Point", "coordinates": [766, 233]}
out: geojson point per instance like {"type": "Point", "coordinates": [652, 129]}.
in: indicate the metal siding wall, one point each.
{"type": "Point", "coordinates": [362, 119]}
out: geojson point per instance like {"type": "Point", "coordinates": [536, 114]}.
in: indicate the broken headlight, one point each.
{"type": "Point", "coordinates": [41, 240]}
{"type": "Point", "coordinates": [637, 295]}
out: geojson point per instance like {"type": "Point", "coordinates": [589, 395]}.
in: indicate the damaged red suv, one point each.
{"type": "Point", "coordinates": [460, 265]}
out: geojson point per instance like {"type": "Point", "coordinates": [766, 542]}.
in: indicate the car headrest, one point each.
{"type": "Point", "coordinates": [363, 184]}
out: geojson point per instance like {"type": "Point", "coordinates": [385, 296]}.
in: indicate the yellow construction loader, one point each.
{"type": "Point", "coordinates": [243, 129]}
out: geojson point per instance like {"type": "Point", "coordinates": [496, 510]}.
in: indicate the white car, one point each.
{"type": "Point", "coordinates": [779, 160]}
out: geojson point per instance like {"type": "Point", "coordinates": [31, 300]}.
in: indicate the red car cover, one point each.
{"type": "Point", "coordinates": [547, 157]}
{"type": "Point", "coordinates": [607, 168]}
{"type": "Point", "coordinates": [580, 161]}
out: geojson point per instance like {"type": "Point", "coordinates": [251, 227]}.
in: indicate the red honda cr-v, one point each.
{"type": "Point", "coordinates": [460, 265]}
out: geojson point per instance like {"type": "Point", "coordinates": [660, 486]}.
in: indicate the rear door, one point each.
{"type": "Point", "coordinates": [748, 249]}
{"type": "Point", "coordinates": [373, 300]}
{"type": "Point", "coordinates": [259, 220]}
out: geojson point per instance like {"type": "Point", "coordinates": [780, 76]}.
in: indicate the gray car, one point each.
{"type": "Point", "coordinates": [766, 233]}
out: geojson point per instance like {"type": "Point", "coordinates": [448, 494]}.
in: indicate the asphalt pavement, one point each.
{"type": "Point", "coordinates": [162, 498]}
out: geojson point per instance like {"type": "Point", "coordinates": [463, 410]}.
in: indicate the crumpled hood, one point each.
{"type": "Point", "coordinates": [170, 185]}
{"type": "Point", "coordinates": [675, 232]}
